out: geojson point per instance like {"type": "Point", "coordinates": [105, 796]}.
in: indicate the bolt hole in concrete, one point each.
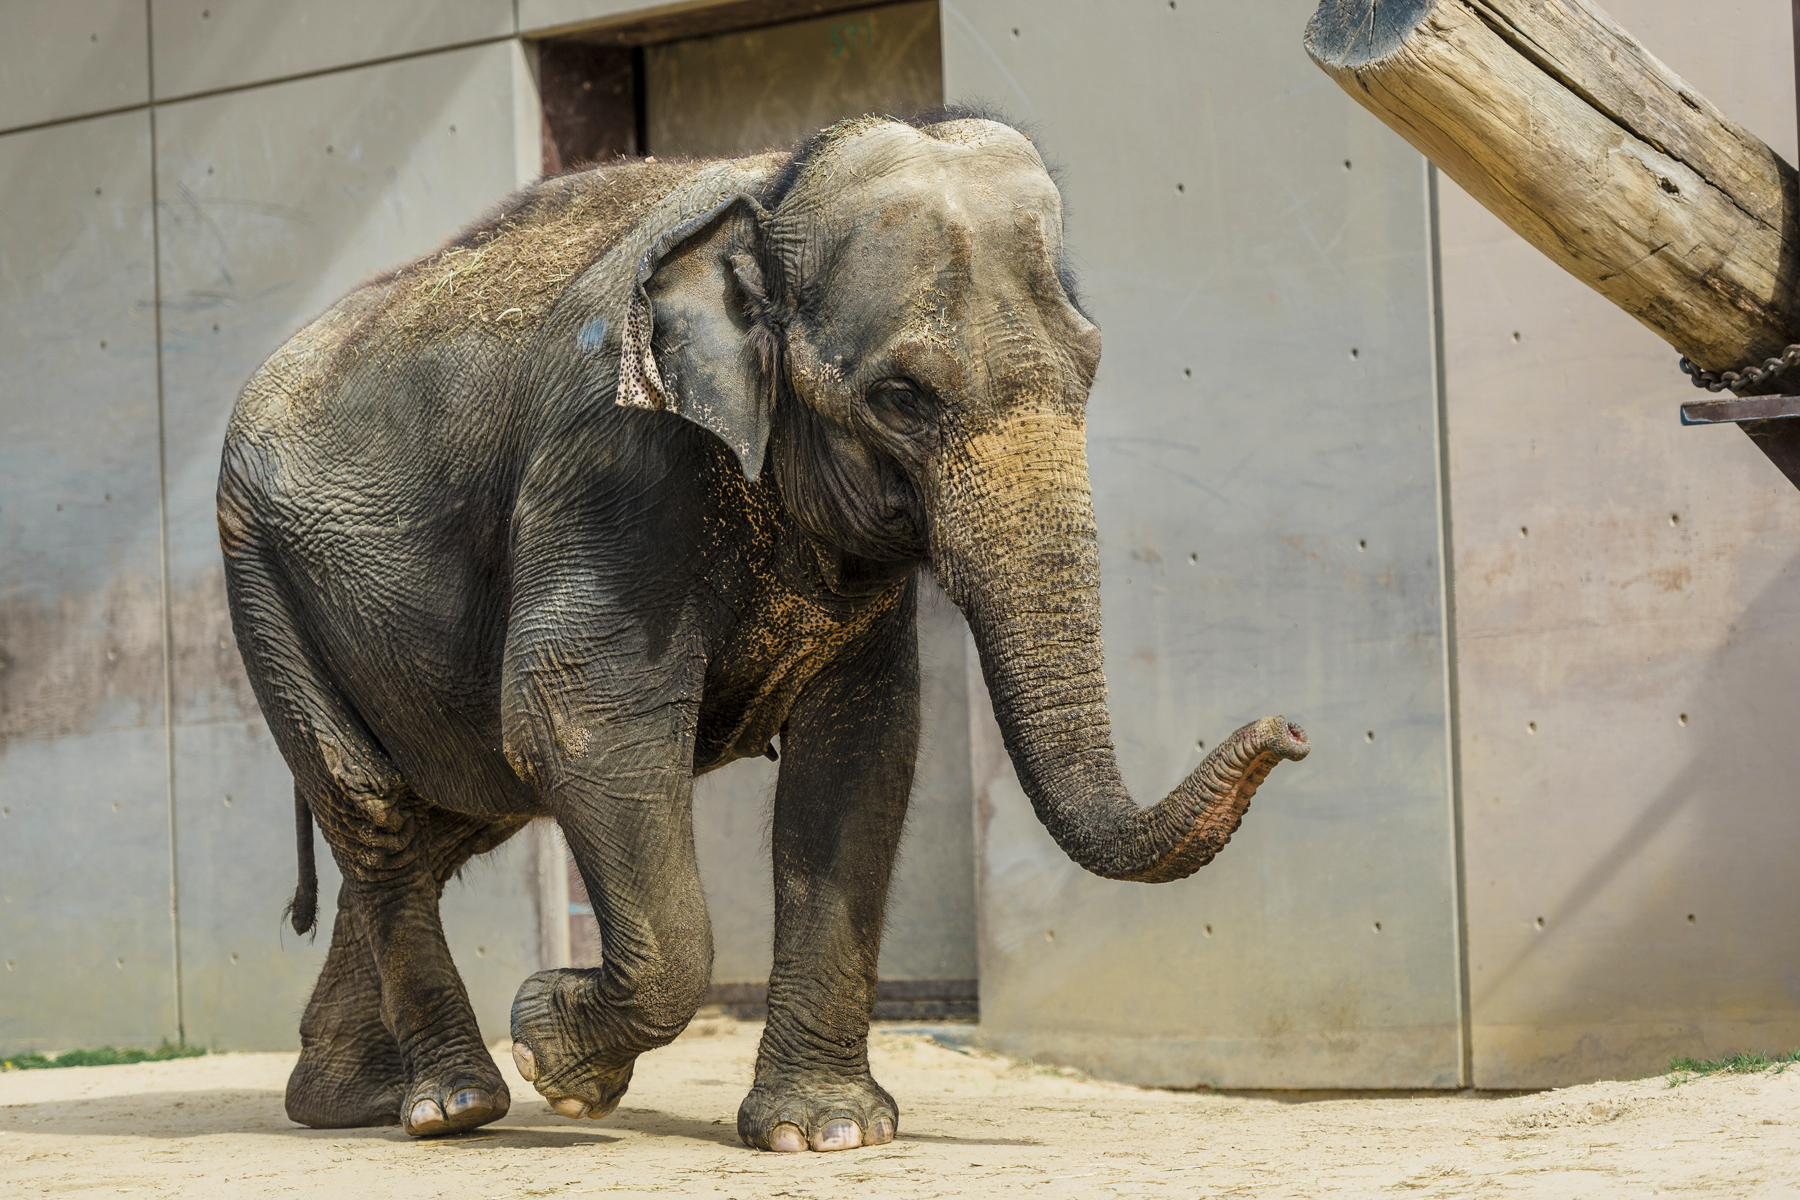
{"type": "Point", "coordinates": [1369, 736]}
{"type": "Point", "coordinates": [1187, 372]}
{"type": "Point", "coordinates": [1682, 719]}
{"type": "Point", "coordinates": [1674, 518]}
{"type": "Point", "coordinates": [1200, 746]}
{"type": "Point", "coordinates": [1540, 922]}
{"type": "Point", "coordinates": [1524, 531]}
{"type": "Point", "coordinates": [1362, 543]}
{"type": "Point", "coordinates": [1355, 353]}
{"type": "Point", "coordinates": [1515, 336]}
{"type": "Point", "coordinates": [1207, 930]}
{"type": "Point", "coordinates": [1346, 164]}
{"type": "Point", "coordinates": [1194, 559]}
{"type": "Point", "coordinates": [228, 801]}
{"type": "Point", "coordinates": [1531, 727]}
{"type": "Point", "coordinates": [1181, 187]}
{"type": "Point", "coordinates": [1378, 927]}
{"type": "Point", "coordinates": [1015, 33]}
{"type": "Point", "coordinates": [1690, 918]}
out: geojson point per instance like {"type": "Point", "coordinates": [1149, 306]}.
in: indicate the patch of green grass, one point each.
{"type": "Point", "coordinates": [1681, 1070]}
{"type": "Point", "coordinates": [105, 1056]}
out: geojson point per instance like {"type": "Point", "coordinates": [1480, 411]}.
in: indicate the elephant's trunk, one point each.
{"type": "Point", "coordinates": [1015, 546]}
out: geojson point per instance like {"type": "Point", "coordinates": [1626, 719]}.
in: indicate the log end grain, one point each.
{"type": "Point", "coordinates": [1353, 33]}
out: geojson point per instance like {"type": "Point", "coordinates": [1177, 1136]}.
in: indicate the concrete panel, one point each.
{"type": "Point", "coordinates": [661, 21]}
{"type": "Point", "coordinates": [70, 58]}
{"type": "Point", "coordinates": [204, 45]}
{"type": "Point", "coordinates": [84, 845]}
{"type": "Point", "coordinates": [536, 16]}
{"type": "Point", "coordinates": [1262, 443]}
{"type": "Point", "coordinates": [1628, 617]}
{"type": "Point", "coordinates": [738, 93]}
{"type": "Point", "coordinates": [276, 201]}
{"type": "Point", "coordinates": [84, 893]}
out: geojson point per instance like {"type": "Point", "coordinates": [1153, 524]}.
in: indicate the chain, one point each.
{"type": "Point", "coordinates": [1742, 381]}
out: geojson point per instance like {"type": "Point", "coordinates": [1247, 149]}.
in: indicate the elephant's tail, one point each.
{"type": "Point", "coordinates": [303, 909]}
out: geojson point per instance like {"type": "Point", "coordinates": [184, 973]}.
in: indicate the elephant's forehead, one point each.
{"type": "Point", "coordinates": [980, 179]}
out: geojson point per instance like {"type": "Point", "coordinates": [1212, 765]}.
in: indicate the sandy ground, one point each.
{"type": "Point", "coordinates": [972, 1124]}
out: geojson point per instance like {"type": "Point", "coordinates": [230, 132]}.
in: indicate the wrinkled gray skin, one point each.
{"type": "Point", "coordinates": [633, 480]}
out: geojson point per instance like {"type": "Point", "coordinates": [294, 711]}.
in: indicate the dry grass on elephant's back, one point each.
{"type": "Point", "coordinates": [505, 272]}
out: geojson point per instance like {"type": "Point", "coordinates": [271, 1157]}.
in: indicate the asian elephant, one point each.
{"type": "Point", "coordinates": [633, 479]}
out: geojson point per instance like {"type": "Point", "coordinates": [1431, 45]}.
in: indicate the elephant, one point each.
{"type": "Point", "coordinates": [637, 477]}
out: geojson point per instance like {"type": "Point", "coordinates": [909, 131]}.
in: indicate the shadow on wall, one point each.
{"type": "Point", "coordinates": [1700, 885]}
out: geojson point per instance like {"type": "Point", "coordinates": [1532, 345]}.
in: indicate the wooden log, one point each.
{"type": "Point", "coordinates": [1570, 131]}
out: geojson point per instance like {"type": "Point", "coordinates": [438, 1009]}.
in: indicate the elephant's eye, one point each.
{"type": "Point", "coordinates": [901, 405]}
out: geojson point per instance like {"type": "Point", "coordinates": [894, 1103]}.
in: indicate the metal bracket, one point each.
{"type": "Point", "coordinates": [1737, 410]}
{"type": "Point", "coordinates": [1764, 418]}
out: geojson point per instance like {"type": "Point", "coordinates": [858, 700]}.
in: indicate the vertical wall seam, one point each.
{"type": "Point", "coordinates": [162, 534]}
{"type": "Point", "coordinates": [1447, 589]}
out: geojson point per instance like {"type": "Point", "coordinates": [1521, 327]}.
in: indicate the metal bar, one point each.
{"type": "Point", "coordinates": [1736, 410]}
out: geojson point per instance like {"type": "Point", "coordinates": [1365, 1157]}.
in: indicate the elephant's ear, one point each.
{"type": "Point", "coordinates": [694, 306]}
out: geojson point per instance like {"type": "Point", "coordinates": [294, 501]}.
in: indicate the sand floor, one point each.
{"type": "Point", "coordinates": [972, 1124]}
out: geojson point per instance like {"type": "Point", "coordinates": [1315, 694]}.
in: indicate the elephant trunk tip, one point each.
{"type": "Point", "coordinates": [1284, 739]}
{"type": "Point", "coordinates": [1216, 795]}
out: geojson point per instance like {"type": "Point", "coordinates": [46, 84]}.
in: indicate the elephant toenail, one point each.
{"type": "Point", "coordinates": [606, 1110]}
{"type": "Point", "coordinates": [568, 1106]}
{"type": "Point", "coordinates": [426, 1113]}
{"type": "Point", "coordinates": [881, 1132]}
{"type": "Point", "coordinates": [841, 1134]}
{"type": "Point", "coordinates": [525, 1060]}
{"type": "Point", "coordinates": [466, 1099]}
{"type": "Point", "coordinates": [787, 1139]}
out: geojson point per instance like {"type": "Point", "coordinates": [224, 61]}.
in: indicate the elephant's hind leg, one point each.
{"type": "Point", "coordinates": [350, 1073]}
{"type": "Point", "coordinates": [388, 961]}
{"type": "Point", "coordinates": [451, 1082]}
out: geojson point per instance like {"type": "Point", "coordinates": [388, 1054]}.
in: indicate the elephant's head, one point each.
{"type": "Point", "coordinates": [893, 327]}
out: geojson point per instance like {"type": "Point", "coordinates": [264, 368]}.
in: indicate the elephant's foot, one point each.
{"type": "Point", "coordinates": [804, 1111]}
{"type": "Point", "coordinates": [577, 1080]}
{"type": "Point", "coordinates": [346, 1089]}
{"type": "Point", "coordinates": [453, 1095]}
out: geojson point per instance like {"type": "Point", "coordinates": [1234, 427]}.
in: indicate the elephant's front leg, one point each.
{"type": "Point", "coordinates": [626, 808]}
{"type": "Point", "coordinates": [846, 772]}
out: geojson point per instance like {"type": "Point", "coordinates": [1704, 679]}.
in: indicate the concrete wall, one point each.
{"type": "Point", "coordinates": [1628, 612]}
{"type": "Point", "coordinates": [1264, 456]}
